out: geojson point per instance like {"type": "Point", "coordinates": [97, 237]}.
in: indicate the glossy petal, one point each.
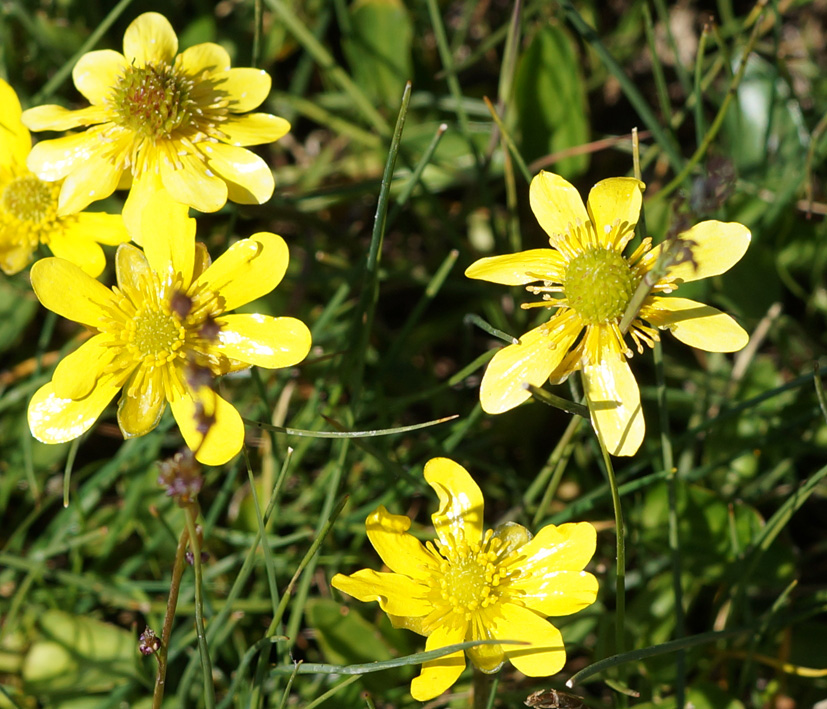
{"type": "Point", "coordinates": [51, 117]}
{"type": "Point", "coordinates": [696, 324]}
{"type": "Point", "coordinates": [15, 141]}
{"type": "Point", "coordinates": [149, 38]}
{"type": "Point", "coordinates": [262, 340]}
{"type": "Point", "coordinates": [254, 129]}
{"type": "Point", "coordinates": [401, 552]}
{"type": "Point", "coordinates": [64, 288]}
{"type": "Point", "coordinates": [102, 227]}
{"type": "Point", "coordinates": [91, 180]}
{"type": "Point", "coordinates": [531, 361]}
{"type": "Point", "coordinates": [395, 593]}
{"type": "Point", "coordinates": [224, 438]}
{"type": "Point", "coordinates": [55, 419]}
{"type": "Point", "coordinates": [52, 160]}
{"type": "Point", "coordinates": [168, 235]}
{"type": "Point", "coordinates": [438, 675]}
{"type": "Point", "coordinates": [520, 268]}
{"type": "Point", "coordinates": [614, 403]}
{"type": "Point", "coordinates": [614, 204]}
{"type": "Point", "coordinates": [556, 204]}
{"type": "Point", "coordinates": [249, 179]}
{"type": "Point", "coordinates": [246, 88]}
{"type": "Point", "coordinates": [545, 655]}
{"type": "Point", "coordinates": [460, 502]}
{"type": "Point", "coordinates": [76, 374]}
{"type": "Point", "coordinates": [142, 402]}
{"type": "Point", "coordinates": [133, 272]}
{"type": "Point", "coordinates": [249, 269]}
{"type": "Point", "coordinates": [208, 56]}
{"type": "Point", "coordinates": [143, 189]}
{"type": "Point", "coordinates": [194, 184]}
{"type": "Point", "coordinates": [97, 72]}
{"type": "Point", "coordinates": [717, 247]}
{"type": "Point", "coordinates": [488, 658]}
{"type": "Point", "coordinates": [80, 250]}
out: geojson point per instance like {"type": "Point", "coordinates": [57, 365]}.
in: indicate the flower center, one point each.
{"type": "Point", "coordinates": [156, 335]}
{"type": "Point", "coordinates": [153, 100]}
{"type": "Point", "coordinates": [599, 285]}
{"type": "Point", "coordinates": [29, 199]}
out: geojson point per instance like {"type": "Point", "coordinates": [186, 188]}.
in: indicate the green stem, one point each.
{"type": "Point", "coordinates": [482, 689]}
{"type": "Point", "coordinates": [206, 665]}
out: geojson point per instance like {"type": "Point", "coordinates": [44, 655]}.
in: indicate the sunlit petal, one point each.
{"type": "Point", "coordinates": [249, 179]}
{"type": "Point", "coordinates": [193, 183]}
{"type": "Point", "coordinates": [133, 272]}
{"type": "Point", "coordinates": [142, 403]}
{"type": "Point", "coordinates": [614, 404]}
{"type": "Point", "coordinates": [54, 159]}
{"type": "Point", "coordinates": [263, 340]}
{"type": "Point", "coordinates": [544, 654]}
{"type": "Point", "coordinates": [80, 250]}
{"type": "Point", "coordinates": [102, 227]}
{"type": "Point", "coordinates": [76, 374]}
{"type": "Point", "coordinates": [149, 38]}
{"type": "Point", "coordinates": [395, 593]}
{"type": "Point", "coordinates": [438, 675]}
{"type": "Point", "coordinates": [89, 181]}
{"type": "Point", "coordinates": [614, 208]}
{"type": "Point", "coordinates": [64, 288]}
{"type": "Point", "coordinates": [51, 117]}
{"type": "Point", "coordinates": [225, 434]}
{"type": "Point", "coordinates": [144, 189]}
{"type": "Point", "coordinates": [254, 129]}
{"type": "Point", "coordinates": [208, 56]}
{"type": "Point", "coordinates": [520, 268]}
{"type": "Point", "coordinates": [557, 205]}
{"type": "Point", "coordinates": [696, 324]}
{"type": "Point", "coordinates": [168, 236]}
{"type": "Point", "coordinates": [95, 73]}
{"type": "Point", "coordinates": [401, 552]}
{"type": "Point", "coordinates": [460, 501]}
{"type": "Point", "coordinates": [246, 88]}
{"type": "Point", "coordinates": [15, 141]}
{"type": "Point", "coordinates": [715, 247]}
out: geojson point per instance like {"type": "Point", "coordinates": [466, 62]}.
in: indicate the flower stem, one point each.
{"type": "Point", "coordinates": [482, 689]}
{"type": "Point", "coordinates": [169, 616]}
{"type": "Point", "coordinates": [195, 547]}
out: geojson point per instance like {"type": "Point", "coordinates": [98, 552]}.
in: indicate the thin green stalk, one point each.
{"type": "Point", "coordinates": [700, 123]}
{"type": "Point", "coordinates": [674, 540]}
{"type": "Point", "coordinates": [539, 482]}
{"type": "Point", "coordinates": [657, 68]}
{"type": "Point", "coordinates": [558, 402]}
{"type": "Point", "coordinates": [268, 554]}
{"type": "Point", "coordinates": [509, 141]}
{"type": "Point", "coordinates": [490, 329]}
{"type": "Point", "coordinates": [256, 58]}
{"type": "Point", "coordinates": [204, 652]}
{"type": "Point", "coordinates": [482, 689]}
{"type": "Point", "coordinates": [67, 470]}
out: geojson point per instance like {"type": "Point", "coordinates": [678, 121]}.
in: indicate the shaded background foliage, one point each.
{"type": "Point", "coordinates": [77, 585]}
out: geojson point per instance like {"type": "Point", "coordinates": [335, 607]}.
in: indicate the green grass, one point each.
{"type": "Point", "coordinates": [724, 504]}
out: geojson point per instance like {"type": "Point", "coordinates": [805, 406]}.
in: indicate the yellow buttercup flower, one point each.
{"type": "Point", "coordinates": [474, 585]}
{"type": "Point", "coordinates": [588, 281]}
{"type": "Point", "coordinates": [28, 206]}
{"type": "Point", "coordinates": [161, 332]}
{"type": "Point", "coordinates": [164, 121]}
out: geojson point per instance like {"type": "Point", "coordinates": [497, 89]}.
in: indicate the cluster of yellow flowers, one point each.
{"type": "Point", "coordinates": [172, 129]}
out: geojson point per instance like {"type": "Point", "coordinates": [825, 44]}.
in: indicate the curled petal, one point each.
{"type": "Point", "coordinates": [488, 658]}
{"type": "Point", "coordinates": [460, 502]}
{"type": "Point", "coordinates": [696, 324]}
{"type": "Point", "coordinates": [142, 403]}
{"type": "Point", "coordinates": [64, 288]}
{"type": "Point", "coordinates": [715, 246]}
{"type": "Point", "coordinates": [529, 362]}
{"type": "Point", "coordinates": [249, 179]}
{"type": "Point", "coordinates": [438, 675]}
{"type": "Point", "coordinates": [614, 208]}
{"type": "Point", "coordinates": [246, 88]}
{"type": "Point", "coordinates": [249, 269]}
{"type": "Point", "coordinates": [614, 404]}
{"type": "Point", "coordinates": [254, 129]}
{"type": "Point", "coordinates": [402, 552]}
{"type": "Point", "coordinates": [544, 654]}
{"type": "Point", "coordinates": [150, 38]}
{"type": "Point", "coordinates": [97, 72]}
{"type": "Point", "coordinates": [208, 56]}
{"type": "Point", "coordinates": [56, 419]}
{"type": "Point", "coordinates": [520, 268]}
{"type": "Point", "coordinates": [395, 593]}
{"type": "Point", "coordinates": [225, 434]}
{"type": "Point", "coordinates": [262, 340]}
{"type": "Point", "coordinates": [557, 205]}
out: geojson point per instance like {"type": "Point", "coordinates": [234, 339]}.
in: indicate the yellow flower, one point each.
{"type": "Point", "coordinates": [470, 585]}
{"type": "Point", "coordinates": [164, 121]}
{"type": "Point", "coordinates": [589, 282]}
{"type": "Point", "coordinates": [28, 206]}
{"type": "Point", "coordinates": [161, 332]}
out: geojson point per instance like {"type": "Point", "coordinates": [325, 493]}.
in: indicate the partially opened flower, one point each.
{"type": "Point", "coordinates": [28, 206]}
{"type": "Point", "coordinates": [588, 282]}
{"type": "Point", "coordinates": [164, 121]}
{"type": "Point", "coordinates": [474, 585]}
{"type": "Point", "coordinates": [162, 335]}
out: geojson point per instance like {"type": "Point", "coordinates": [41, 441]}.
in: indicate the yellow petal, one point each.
{"type": "Point", "coordinates": [54, 419]}
{"type": "Point", "coordinates": [224, 437]}
{"type": "Point", "coordinates": [79, 249]}
{"type": "Point", "coordinates": [544, 656]}
{"type": "Point", "coordinates": [614, 403]}
{"type": "Point", "coordinates": [460, 501]}
{"type": "Point", "coordinates": [401, 552]}
{"type": "Point", "coordinates": [556, 204]}
{"type": "Point", "coordinates": [97, 72]}
{"type": "Point", "coordinates": [249, 179]}
{"type": "Point", "coordinates": [488, 658]}
{"type": "Point", "coordinates": [77, 373]}
{"type": "Point", "coordinates": [438, 675]}
{"type": "Point", "coordinates": [614, 208]}
{"type": "Point", "coordinates": [520, 268]}
{"type": "Point", "coordinates": [531, 361]}
{"type": "Point", "coordinates": [194, 184]}
{"type": "Point", "coordinates": [14, 257]}
{"type": "Point", "coordinates": [249, 269]}
{"type": "Point", "coordinates": [142, 402]}
{"type": "Point", "coordinates": [94, 179]}
{"type": "Point", "coordinates": [15, 141]}
{"type": "Point", "coordinates": [396, 594]}
{"type": "Point", "coordinates": [254, 129]}
{"type": "Point", "coordinates": [64, 288]}
{"type": "Point", "coordinates": [696, 324]}
{"type": "Point", "coordinates": [246, 88]}
{"type": "Point", "coordinates": [101, 227]}
{"type": "Point", "coordinates": [208, 56]}
{"type": "Point", "coordinates": [262, 340]}
{"type": "Point", "coordinates": [133, 272]}
{"type": "Point", "coordinates": [149, 38]}
{"type": "Point", "coordinates": [52, 160]}
{"type": "Point", "coordinates": [52, 117]}
{"type": "Point", "coordinates": [168, 236]}
{"type": "Point", "coordinates": [143, 189]}
{"type": "Point", "coordinates": [717, 247]}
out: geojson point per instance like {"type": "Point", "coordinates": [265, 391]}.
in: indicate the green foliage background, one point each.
{"type": "Point", "coordinates": [79, 584]}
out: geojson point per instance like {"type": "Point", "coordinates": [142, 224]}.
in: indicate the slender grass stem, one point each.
{"type": "Point", "coordinates": [206, 666]}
